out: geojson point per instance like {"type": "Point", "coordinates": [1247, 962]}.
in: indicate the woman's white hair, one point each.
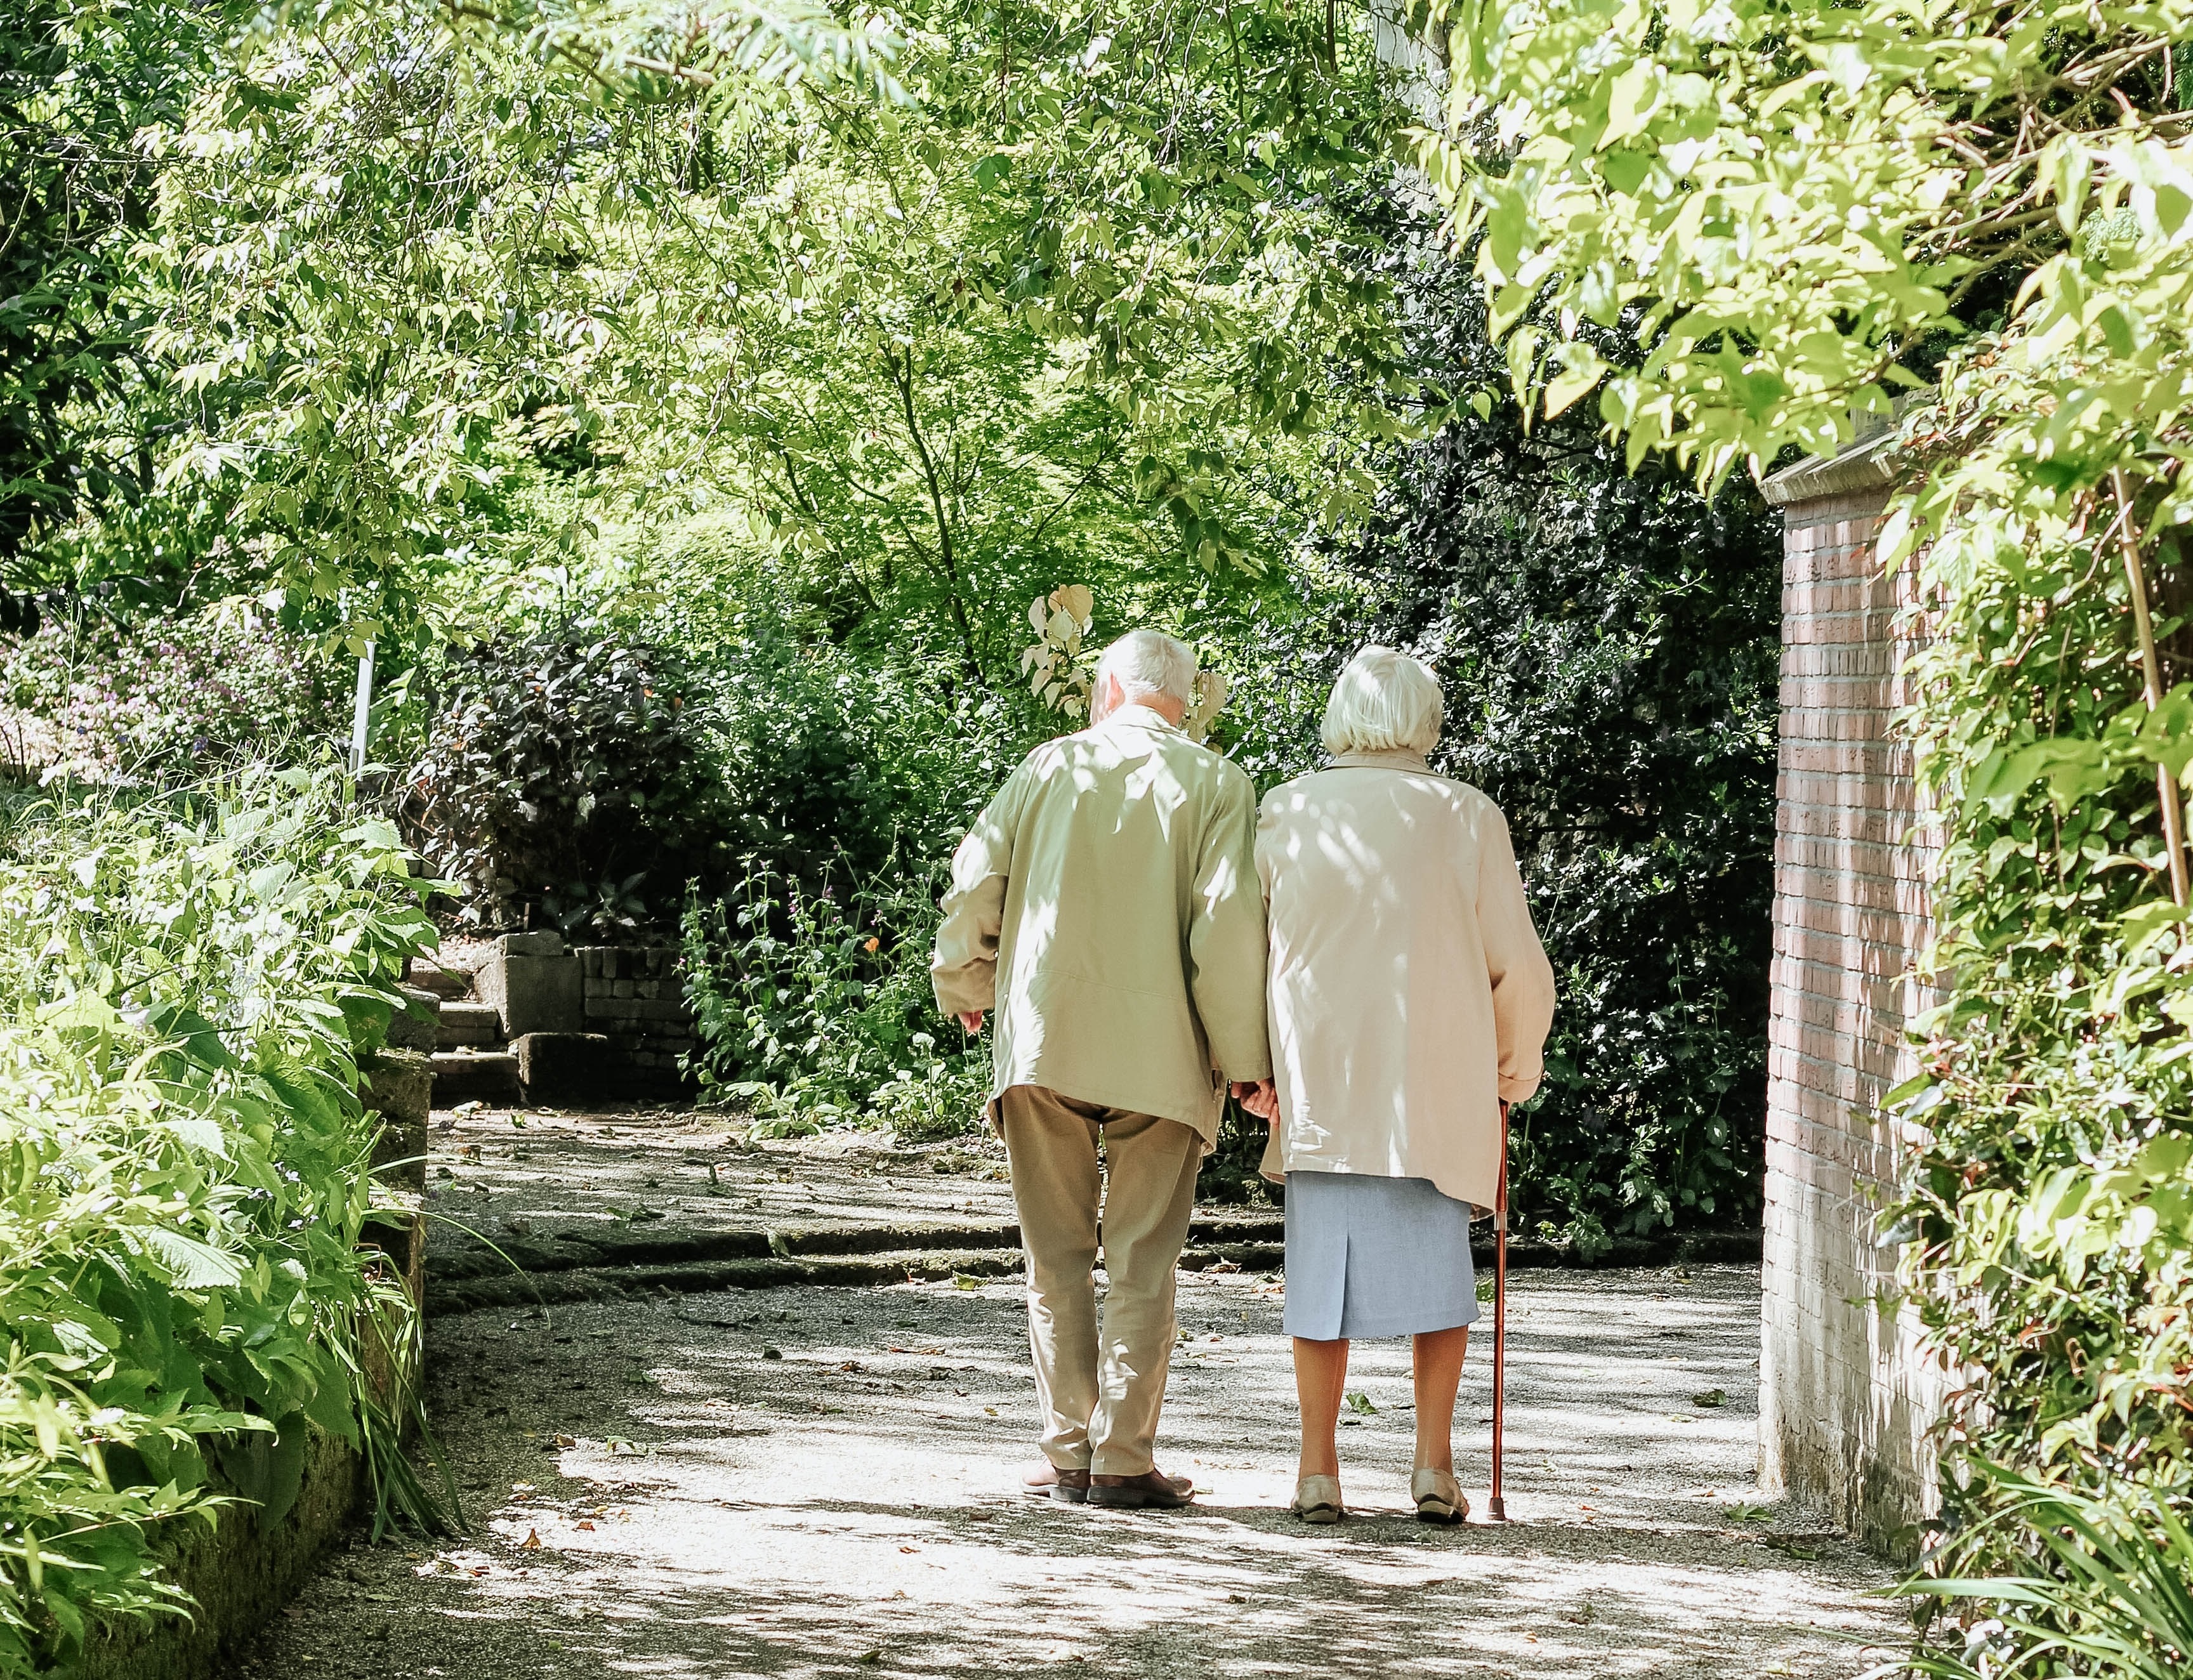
{"type": "Point", "coordinates": [1385, 702]}
{"type": "Point", "coordinates": [1150, 662]}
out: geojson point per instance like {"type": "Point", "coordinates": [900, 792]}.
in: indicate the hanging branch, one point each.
{"type": "Point", "coordinates": [2165, 785]}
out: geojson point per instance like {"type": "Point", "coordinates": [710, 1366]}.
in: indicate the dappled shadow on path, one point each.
{"type": "Point", "coordinates": [820, 1482]}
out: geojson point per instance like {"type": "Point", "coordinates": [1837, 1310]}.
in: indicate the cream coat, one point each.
{"type": "Point", "coordinates": [1106, 906]}
{"type": "Point", "coordinates": [1409, 994]}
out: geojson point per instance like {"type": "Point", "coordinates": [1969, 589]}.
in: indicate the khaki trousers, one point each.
{"type": "Point", "coordinates": [1100, 1388]}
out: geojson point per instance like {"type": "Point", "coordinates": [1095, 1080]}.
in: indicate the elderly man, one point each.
{"type": "Point", "coordinates": [1105, 904]}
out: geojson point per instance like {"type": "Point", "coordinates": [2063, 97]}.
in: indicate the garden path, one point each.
{"type": "Point", "coordinates": [811, 1482]}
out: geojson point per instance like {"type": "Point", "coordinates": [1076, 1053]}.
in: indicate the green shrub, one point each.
{"type": "Point", "coordinates": [178, 700]}
{"type": "Point", "coordinates": [186, 987]}
{"type": "Point", "coordinates": [2106, 1586]}
{"type": "Point", "coordinates": [817, 1010]}
{"type": "Point", "coordinates": [2048, 1204]}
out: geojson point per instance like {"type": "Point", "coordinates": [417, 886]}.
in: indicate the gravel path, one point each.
{"type": "Point", "coordinates": [513, 1171]}
{"type": "Point", "coordinates": [811, 1482]}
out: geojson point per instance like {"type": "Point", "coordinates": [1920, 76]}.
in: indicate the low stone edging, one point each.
{"type": "Point", "coordinates": [240, 1571]}
{"type": "Point", "coordinates": [599, 1264]}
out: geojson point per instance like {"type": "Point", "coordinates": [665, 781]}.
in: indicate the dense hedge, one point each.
{"type": "Point", "coordinates": [1609, 646]}
{"type": "Point", "coordinates": [185, 986]}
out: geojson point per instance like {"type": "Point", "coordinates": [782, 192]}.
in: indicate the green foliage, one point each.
{"type": "Point", "coordinates": [1782, 202]}
{"type": "Point", "coordinates": [1077, 296]}
{"type": "Point", "coordinates": [78, 406]}
{"type": "Point", "coordinates": [186, 989]}
{"type": "Point", "coordinates": [167, 701]}
{"type": "Point", "coordinates": [2114, 1601]}
{"type": "Point", "coordinates": [815, 1012]}
{"type": "Point", "coordinates": [2050, 1201]}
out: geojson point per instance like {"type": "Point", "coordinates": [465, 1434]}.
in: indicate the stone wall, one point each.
{"type": "Point", "coordinates": [635, 996]}
{"type": "Point", "coordinates": [1845, 1399]}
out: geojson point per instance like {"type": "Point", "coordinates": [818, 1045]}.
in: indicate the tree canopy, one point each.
{"type": "Point", "coordinates": [947, 311]}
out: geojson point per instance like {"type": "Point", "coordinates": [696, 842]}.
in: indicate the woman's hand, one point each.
{"type": "Point", "coordinates": [1261, 1097]}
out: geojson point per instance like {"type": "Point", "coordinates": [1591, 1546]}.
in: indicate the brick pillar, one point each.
{"type": "Point", "coordinates": [1845, 1399]}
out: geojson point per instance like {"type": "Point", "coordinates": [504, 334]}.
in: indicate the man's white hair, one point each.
{"type": "Point", "coordinates": [1385, 702]}
{"type": "Point", "coordinates": [1150, 662]}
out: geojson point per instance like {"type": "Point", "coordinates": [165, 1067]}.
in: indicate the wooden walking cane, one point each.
{"type": "Point", "coordinates": [1496, 1508]}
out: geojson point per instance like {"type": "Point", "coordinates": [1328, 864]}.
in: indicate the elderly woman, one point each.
{"type": "Point", "coordinates": [1410, 1000]}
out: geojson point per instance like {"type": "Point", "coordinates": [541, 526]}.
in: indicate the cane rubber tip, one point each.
{"type": "Point", "coordinates": [1495, 1511]}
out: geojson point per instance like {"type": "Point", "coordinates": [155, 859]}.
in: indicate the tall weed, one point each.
{"type": "Point", "coordinates": [814, 1007]}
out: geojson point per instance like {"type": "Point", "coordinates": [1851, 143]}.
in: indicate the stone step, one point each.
{"type": "Point", "coordinates": [432, 976]}
{"type": "Point", "coordinates": [417, 1025]}
{"type": "Point", "coordinates": [488, 1074]}
{"type": "Point", "coordinates": [468, 1024]}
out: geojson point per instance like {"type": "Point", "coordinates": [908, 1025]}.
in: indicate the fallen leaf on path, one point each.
{"type": "Point", "coordinates": [909, 1548]}
{"type": "Point", "coordinates": [586, 1526]}
{"type": "Point", "coordinates": [1359, 1402]}
{"type": "Point", "coordinates": [1712, 1396]}
{"type": "Point", "coordinates": [532, 1542]}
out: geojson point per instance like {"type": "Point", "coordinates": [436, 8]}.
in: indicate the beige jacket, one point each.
{"type": "Point", "coordinates": [1409, 997]}
{"type": "Point", "coordinates": [1106, 906]}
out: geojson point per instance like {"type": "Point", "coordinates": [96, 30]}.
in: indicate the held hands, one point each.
{"type": "Point", "coordinates": [1261, 1097]}
{"type": "Point", "coordinates": [972, 1021]}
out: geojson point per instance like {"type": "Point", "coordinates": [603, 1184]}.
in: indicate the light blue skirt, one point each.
{"type": "Point", "coordinates": [1376, 1257]}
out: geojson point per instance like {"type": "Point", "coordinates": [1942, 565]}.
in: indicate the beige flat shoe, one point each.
{"type": "Point", "coordinates": [1317, 1499]}
{"type": "Point", "coordinates": [1438, 1496]}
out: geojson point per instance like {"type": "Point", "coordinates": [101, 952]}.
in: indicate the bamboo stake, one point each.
{"type": "Point", "coordinates": [2151, 668]}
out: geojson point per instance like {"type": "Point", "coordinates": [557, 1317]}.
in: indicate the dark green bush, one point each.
{"type": "Point", "coordinates": [565, 776]}
{"type": "Point", "coordinates": [814, 1005]}
{"type": "Point", "coordinates": [1608, 644]}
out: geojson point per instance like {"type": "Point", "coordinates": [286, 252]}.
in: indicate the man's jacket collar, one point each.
{"type": "Point", "coordinates": [1131, 716]}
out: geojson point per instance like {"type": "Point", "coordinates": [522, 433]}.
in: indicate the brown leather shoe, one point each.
{"type": "Point", "coordinates": [1153, 1490]}
{"type": "Point", "coordinates": [1046, 1481]}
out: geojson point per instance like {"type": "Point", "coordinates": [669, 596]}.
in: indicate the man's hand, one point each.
{"type": "Point", "coordinates": [972, 1019]}
{"type": "Point", "coordinates": [1261, 1097]}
